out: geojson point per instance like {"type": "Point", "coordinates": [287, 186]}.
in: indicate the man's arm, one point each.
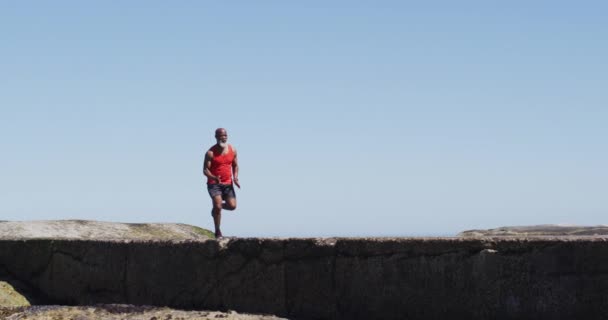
{"type": "Point", "coordinates": [207, 166]}
{"type": "Point", "coordinates": [235, 169]}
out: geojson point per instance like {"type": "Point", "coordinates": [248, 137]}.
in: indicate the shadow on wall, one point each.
{"type": "Point", "coordinates": [16, 293]}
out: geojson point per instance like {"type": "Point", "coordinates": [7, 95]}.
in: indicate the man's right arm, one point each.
{"type": "Point", "coordinates": [207, 167]}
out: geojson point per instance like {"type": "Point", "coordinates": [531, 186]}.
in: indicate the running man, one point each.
{"type": "Point", "coordinates": [222, 171]}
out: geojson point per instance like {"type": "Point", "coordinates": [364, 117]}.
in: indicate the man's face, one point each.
{"type": "Point", "coordinates": [221, 137]}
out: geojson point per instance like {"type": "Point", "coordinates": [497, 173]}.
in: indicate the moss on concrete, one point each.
{"type": "Point", "coordinates": [203, 232]}
{"type": "Point", "coordinates": [144, 231]}
{"type": "Point", "coordinates": [161, 232]}
{"type": "Point", "coordinates": [9, 297]}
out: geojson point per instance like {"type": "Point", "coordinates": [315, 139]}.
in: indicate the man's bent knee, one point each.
{"type": "Point", "coordinates": [230, 204]}
{"type": "Point", "coordinates": [229, 207]}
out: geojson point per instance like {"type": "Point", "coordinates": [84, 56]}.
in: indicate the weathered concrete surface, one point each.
{"type": "Point", "coordinates": [121, 312]}
{"type": "Point", "coordinates": [552, 230]}
{"type": "Point", "coordinates": [97, 230]}
{"type": "Point", "coordinates": [404, 278]}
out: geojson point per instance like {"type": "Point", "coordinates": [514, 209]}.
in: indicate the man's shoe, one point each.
{"type": "Point", "coordinates": [218, 235]}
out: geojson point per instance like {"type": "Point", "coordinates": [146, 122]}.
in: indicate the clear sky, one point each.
{"type": "Point", "coordinates": [351, 118]}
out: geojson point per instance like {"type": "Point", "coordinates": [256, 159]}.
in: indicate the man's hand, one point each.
{"type": "Point", "coordinates": [236, 182]}
{"type": "Point", "coordinates": [217, 179]}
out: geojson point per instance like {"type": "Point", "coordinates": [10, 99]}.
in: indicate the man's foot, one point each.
{"type": "Point", "coordinates": [218, 234]}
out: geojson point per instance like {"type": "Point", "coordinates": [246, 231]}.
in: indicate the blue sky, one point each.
{"type": "Point", "coordinates": [377, 118]}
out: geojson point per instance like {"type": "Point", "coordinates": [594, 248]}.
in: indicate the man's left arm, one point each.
{"type": "Point", "coordinates": [235, 170]}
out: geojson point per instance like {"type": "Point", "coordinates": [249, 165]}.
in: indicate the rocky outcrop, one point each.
{"type": "Point", "coordinates": [10, 297]}
{"type": "Point", "coordinates": [99, 230]}
{"type": "Point", "coordinates": [544, 230]}
{"type": "Point", "coordinates": [362, 278]}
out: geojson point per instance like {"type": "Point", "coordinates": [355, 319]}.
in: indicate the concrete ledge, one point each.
{"type": "Point", "coordinates": [375, 278]}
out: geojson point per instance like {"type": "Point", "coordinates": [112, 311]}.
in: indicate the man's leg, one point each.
{"type": "Point", "coordinates": [230, 196]}
{"type": "Point", "coordinates": [230, 204]}
{"type": "Point", "coordinates": [216, 212]}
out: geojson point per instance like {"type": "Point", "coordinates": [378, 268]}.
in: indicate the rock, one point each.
{"type": "Point", "coordinates": [98, 230]}
{"type": "Point", "coordinates": [10, 298]}
{"type": "Point", "coordinates": [538, 231]}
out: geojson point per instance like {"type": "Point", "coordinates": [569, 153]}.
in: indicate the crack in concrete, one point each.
{"type": "Point", "coordinates": [78, 259]}
{"type": "Point", "coordinates": [286, 305]}
{"type": "Point", "coordinates": [125, 279]}
{"type": "Point", "coordinates": [334, 285]}
{"type": "Point", "coordinates": [174, 301]}
{"type": "Point", "coordinates": [576, 274]}
{"type": "Point", "coordinates": [44, 266]}
{"type": "Point", "coordinates": [406, 255]}
{"type": "Point", "coordinates": [218, 281]}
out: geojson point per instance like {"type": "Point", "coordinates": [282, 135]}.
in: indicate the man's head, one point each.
{"type": "Point", "coordinates": [222, 137]}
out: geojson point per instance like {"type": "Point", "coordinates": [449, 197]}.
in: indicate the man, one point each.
{"type": "Point", "coordinates": [222, 170]}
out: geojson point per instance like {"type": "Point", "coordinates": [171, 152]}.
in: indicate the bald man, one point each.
{"type": "Point", "coordinates": [222, 171]}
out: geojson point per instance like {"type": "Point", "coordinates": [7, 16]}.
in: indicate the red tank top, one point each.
{"type": "Point", "coordinates": [221, 165]}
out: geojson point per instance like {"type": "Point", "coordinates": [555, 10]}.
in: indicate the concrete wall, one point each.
{"type": "Point", "coordinates": [326, 278]}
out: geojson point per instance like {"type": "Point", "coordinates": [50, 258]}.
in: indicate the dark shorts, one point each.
{"type": "Point", "coordinates": [224, 190]}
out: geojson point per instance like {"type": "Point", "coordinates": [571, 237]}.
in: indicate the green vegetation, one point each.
{"type": "Point", "coordinates": [203, 232]}
{"type": "Point", "coordinates": [157, 231]}
{"type": "Point", "coordinates": [9, 297]}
